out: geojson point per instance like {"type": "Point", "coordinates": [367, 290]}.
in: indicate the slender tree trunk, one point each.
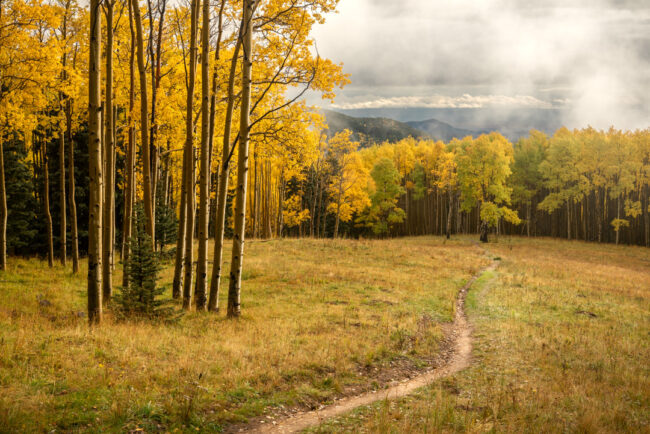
{"type": "Point", "coordinates": [62, 221]}
{"type": "Point", "coordinates": [180, 239]}
{"type": "Point", "coordinates": [599, 216]}
{"type": "Point", "coordinates": [255, 201]}
{"type": "Point", "coordinates": [62, 138]}
{"type": "Point", "coordinates": [646, 215]}
{"type": "Point", "coordinates": [114, 175]}
{"type": "Point", "coordinates": [3, 209]}
{"type": "Point", "coordinates": [109, 184]}
{"type": "Point", "coordinates": [323, 212]}
{"type": "Point", "coordinates": [74, 235]}
{"type": "Point", "coordinates": [318, 201]}
{"type": "Point", "coordinates": [459, 222]}
{"type": "Point", "coordinates": [95, 169]}
{"type": "Point", "coordinates": [484, 231]}
{"type": "Point", "coordinates": [189, 162]}
{"type": "Point", "coordinates": [215, 76]}
{"type": "Point", "coordinates": [234, 290]}
{"type": "Point", "coordinates": [338, 208]}
{"type": "Point", "coordinates": [201, 289]}
{"type": "Point", "coordinates": [190, 214]}
{"type": "Point", "coordinates": [46, 205]}
{"type": "Point", "coordinates": [213, 112]}
{"type": "Point", "coordinates": [129, 187]}
{"type": "Point", "coordinates": [155, 84]}
{"type": "Point", "coordinates": [281, 206]}
{"type": "Point", "coordinates": [144, 126]}
{"type": "Point", "coordinates": [618, 216]}
{"type": "Point", "coordinates": [583, 210]}
{"type": "Point", "coordinates": [222, 195]}
{"type": "Point", "coordinates": [568, 220]}
{"type": "Point", "coordinates": [449, 212]}
{"type": "Point", "coordinates": [313, 203]}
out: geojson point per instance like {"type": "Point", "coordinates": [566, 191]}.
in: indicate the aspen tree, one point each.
{"type": "Point", "coordinates": [188, 162]}
{"type": "Point", "coordinates": [3, 208]}
{"type": "Point", "coordinates": [74, 234]}
{"type": "Point", "coordinates": [46, 202]}
{"type": "Point", "coordinates": [95, 169]}
{"type": "Point", "coordinates": [62, 203]}
{"type": "Point", "coordinates": [224, 177]}
{"type": "Point", "coordinates": [201, 289]}
{"type": "Point", "coordinates": [234, 296]}
{"type": "Point", "coordinates": [109, 164]}
{"type": "Point", "coordinates": [62, 138]}
{"type": "Point", "coordinates": [144, 125]}
{"type": "Point", "coordinates": [129, 187]}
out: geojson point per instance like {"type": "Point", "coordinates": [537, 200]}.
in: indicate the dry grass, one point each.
{"type": "Point", "coordinates": [562, 344]}
{"type": "Point", "coordinates": [320, 318]}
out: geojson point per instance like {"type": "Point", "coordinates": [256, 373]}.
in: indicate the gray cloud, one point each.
{"type": "Point", "coordinates": [591, 57]}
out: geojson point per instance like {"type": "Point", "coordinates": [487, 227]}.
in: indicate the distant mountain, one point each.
{"type": "Point", "coordinates": [439, 130]}
{"type": "Point", "coordinates": [512, 123]}
{"type": "Point", "coordinates": [371, 130]}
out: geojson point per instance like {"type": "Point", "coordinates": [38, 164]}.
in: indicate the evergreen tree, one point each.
{"type": "Point", "coordinates": [22, 207]}
{"type": "Point", "coordinates": [141, 298]}
{"type": "Point", "coordinates": [166, 221]}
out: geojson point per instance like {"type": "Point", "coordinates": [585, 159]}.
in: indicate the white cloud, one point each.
{"type": "Point", "coordinates": [463, 101]}
{"type": "Point", "coordinates": [591, 57]}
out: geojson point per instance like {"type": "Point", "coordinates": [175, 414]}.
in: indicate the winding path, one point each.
{"type": "Point", "coordinates": [460, 337]}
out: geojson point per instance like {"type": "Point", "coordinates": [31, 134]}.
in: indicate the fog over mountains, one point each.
{"type": "Point", "coordinates": [393, 124]}
{"type": "Point", "coordinates": [482, 65]}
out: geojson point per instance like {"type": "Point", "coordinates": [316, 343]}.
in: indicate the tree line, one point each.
{"type": "Point", "coordinates": [582, 184]}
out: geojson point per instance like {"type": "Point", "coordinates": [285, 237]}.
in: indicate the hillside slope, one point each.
{"type": "Point", "coordinates": [370, 130]}
{"type": "Point", "coordinates": [441, 130]}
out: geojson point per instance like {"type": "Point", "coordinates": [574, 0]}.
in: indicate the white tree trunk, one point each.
{"type": "Point", "coordinates": [95, 169]}
{"type": "Point", "coordinates": [237, 260]}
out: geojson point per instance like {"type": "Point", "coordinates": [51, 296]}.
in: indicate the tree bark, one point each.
{"type": "Point", "coordinates": [129, 188]}
{"type": "Point", "coordinates": [646, 216]}
{"type": "Point", "coordinates": [144, 127]}
{"type": "Point", "coordinates": [338, 207]}
{"type": "Point", "coordinates": [222, 195]}
{"type": "Point", "coordinates": [74, 235]}
{"type": "Point", "coordinates": [155, 84]}
{"type": "Point", "coordinates": [234, 290]}
{"type": "Point", "coordinates": [95, 169]}
{"type": "Point", "coordinates": [109, 165]}
{"type": "Point", "coordinates": [180, 238]}
{"type": "Point", "coordinates": [449, 211]}
{"type": "Point", "coordinates": [484, 231]}
{"type": "Point", "coordinates": [201, 289]}
{"type": "Point", "coordinates": [189, 163]}
{"type": "Point", "coordinates": [599, 216]}
{"type": "Point", "coordinates": [568, 220]}
{"type": "Point", "coordinates": [3, 209]}
{"type": "Point", "coordinates": [63, 223]}
{"type": "Point", "coordinates": [618, 216]}
{"type": "Point", "coordinates": [46, 205]}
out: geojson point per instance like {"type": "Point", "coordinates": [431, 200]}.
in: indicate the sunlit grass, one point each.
{"type": "Point", "coordinates": [562, 343]}
{"type": "Point", "coordinates": [321, 318]}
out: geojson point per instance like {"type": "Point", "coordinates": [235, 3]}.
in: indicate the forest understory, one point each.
{"type": "Point", "coordinates": [560, 339]}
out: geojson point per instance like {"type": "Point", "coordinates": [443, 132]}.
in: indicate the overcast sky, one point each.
{"type": "Point", "coordinates": [590, 58]}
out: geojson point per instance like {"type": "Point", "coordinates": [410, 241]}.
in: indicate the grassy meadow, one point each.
{"type": "Point", "coordinates": [321, 318]}
{"type": "Point", "coordinates": [561, 344]}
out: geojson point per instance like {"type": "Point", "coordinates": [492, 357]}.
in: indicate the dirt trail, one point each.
{"type": "Point", "coordinates": [460, 338]}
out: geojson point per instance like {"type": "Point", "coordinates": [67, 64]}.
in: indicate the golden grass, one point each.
{"type": "Point", "coordinates": [320, 317]}
{"type": "Point", "coordinates": [562, 344]}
